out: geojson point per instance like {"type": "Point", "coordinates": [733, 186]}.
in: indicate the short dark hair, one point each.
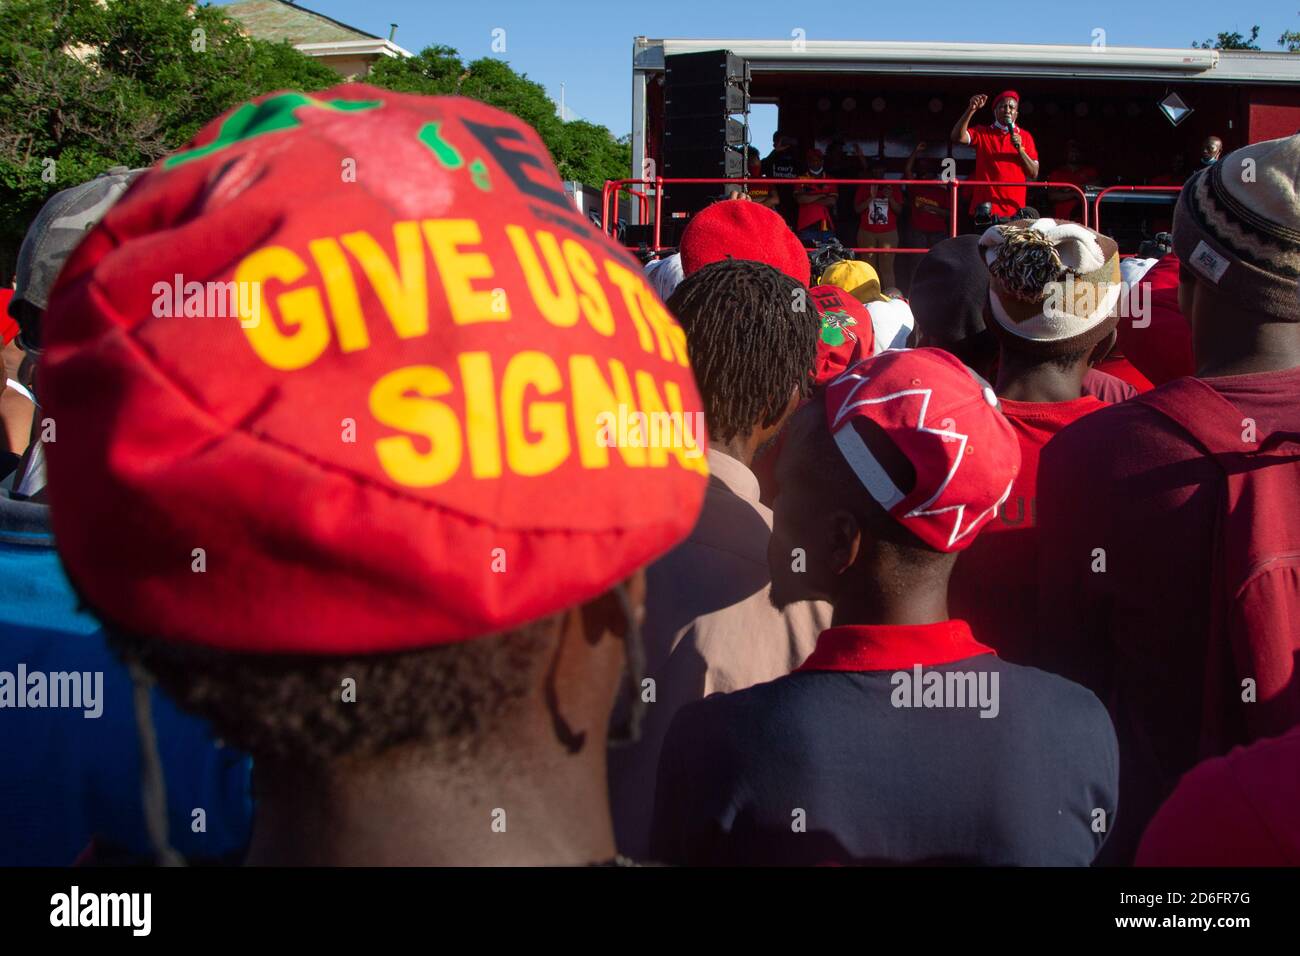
{"type": "Point", "coordinates": [291, 708]}
{"type": "Point", "coordinates": [752, 340]}
{"type": "Point", "coordinates": [1034, 354]}
{"type": "Point", "coordinates": [820, 465]}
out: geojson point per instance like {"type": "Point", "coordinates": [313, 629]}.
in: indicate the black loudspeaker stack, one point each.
{"type": "Point", "coordinates": [703, 137]}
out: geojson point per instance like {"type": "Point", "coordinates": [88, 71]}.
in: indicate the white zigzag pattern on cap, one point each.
{"type": "Point", "coordinates": [848, 405]}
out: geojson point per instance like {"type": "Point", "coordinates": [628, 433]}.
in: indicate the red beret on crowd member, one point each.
{"type": "Point", "coordinates": [743, 230]}
{"type": "Point", "coordinates": [349, 374]}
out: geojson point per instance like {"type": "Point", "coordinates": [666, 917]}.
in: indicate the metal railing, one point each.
{"type": "Point", "coordinates": [1096, 202]}
{"type": "Point", "coordinates": [954, 186]}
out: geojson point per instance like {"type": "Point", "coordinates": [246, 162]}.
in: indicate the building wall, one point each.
{"type": "Point", "coordinates": [351, 67]}
{"type": "Point", "coordinates": [1274, 113]}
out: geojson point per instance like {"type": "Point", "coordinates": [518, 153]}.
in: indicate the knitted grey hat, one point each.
{"type": "Point", "coordinates": [1237, 227]}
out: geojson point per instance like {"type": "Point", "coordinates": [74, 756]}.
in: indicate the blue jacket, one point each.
{"type": "Point", "coordinates": [66, 777]}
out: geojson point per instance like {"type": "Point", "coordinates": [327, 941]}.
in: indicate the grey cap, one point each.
{"type": "Point", "coordinates": [57, 229]}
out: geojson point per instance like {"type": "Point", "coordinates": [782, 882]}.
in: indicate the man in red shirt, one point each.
{"type": "Point", "coordinates": [1065, 202]}
{"type": "Point", "coordinates": [1003, 152]}
{"type": "Point", "coordinates": [878, 207]}
{"type": "Point", "coordinates": [814, 221]}
{"type": "Point", "coordinates": [1048, 340]}
{"type": "Point", "coordinates": [928, 205]}
{"type": "Point", "coordinates": [1131, 504]}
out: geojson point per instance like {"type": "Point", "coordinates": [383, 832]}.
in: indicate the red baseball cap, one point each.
{"type": "Point", "coordinates": [1006, 95]}
{"type": "Point", "coordinates": [847, 335]}
{"type": "Point", "coordinates": [743, 230]}
{"type": "Point", "coordinates": [945, 421]}
{"type": "Point", "coordinates": [406, 423]}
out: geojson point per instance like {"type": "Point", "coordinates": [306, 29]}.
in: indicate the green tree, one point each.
{"type": "Point", "coordinates": [1230, 41]}
{"type": "Point", "coordinates": [589, 153]}
{"type": "Point", "coordinates": [581, 150]}
{"type": "Point", "coordinates": [89, 85]}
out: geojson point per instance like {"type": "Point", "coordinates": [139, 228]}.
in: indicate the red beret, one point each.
{"type": "Point", "coordinates": [743, 230]}
{"type": "Point", "coordinates": [1006, 95]}
{"type": "Point", "coordinates": [350, 374]}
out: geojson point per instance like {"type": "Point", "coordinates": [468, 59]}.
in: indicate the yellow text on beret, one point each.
{"type": "Point", "coordinates": [527, 413]}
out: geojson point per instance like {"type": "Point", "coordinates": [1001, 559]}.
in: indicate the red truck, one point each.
{"type": "Point", "coordinates": [1139, 115]}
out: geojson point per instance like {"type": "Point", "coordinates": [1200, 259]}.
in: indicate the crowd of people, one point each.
{"type": "Point", "coordinates": [409, 550]}
{"type": "Point", "coordinates": [916, 215]}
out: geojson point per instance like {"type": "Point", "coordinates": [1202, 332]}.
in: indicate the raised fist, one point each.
{"type": "Point", "coordinates": [977, 101]}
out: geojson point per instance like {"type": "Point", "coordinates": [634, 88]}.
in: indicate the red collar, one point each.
{"type": "Point", "coordinates": [891, 647]}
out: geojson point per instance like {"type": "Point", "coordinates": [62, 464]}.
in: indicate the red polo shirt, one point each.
{"type": "Point", "coordinates": [892, 647]}
{"type": "Point", "coordinates": [994, 583]}
{"type": "Point", "coordinates": [812, 214]}
{"type": "Point", "coordinates": [929, 208]}
{"type": "Point", "coordinates": [996, 159]}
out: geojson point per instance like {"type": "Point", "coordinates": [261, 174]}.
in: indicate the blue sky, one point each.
{"type": "Point", "coordinates": [587, 45]}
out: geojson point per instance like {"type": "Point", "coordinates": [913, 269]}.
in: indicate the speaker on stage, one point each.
{"type": "Point", "coordinates": [702, 138]}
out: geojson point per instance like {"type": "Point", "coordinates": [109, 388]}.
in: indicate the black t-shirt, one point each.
{"type": "Point", "coordinates": [781, 164]}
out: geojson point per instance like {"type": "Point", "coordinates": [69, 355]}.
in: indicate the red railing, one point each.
{"type": "Point", "coordinates": [642, 200]}
{"type": "Point", "coordinates": [1096, 203]}
{"type": "Point", "coordinates": [612, 186]}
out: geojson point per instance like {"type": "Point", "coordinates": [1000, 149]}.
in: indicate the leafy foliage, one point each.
{"type": "Point", "coordinates": [91, 85]}
{"type": "Point", "coordinates": [1230, 41]}
{"type": "Point", "coordinates": [581, 150]}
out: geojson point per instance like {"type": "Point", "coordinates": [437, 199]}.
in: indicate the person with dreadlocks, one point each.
{"type": "Point", "coordinates": [1052, 293]}
{"type": "Point", "coordinates": [371, 526]}
{"type": "Point", "coordinates": [902, 739]}
{"type": "Point", "coordinates": [711, 627]}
